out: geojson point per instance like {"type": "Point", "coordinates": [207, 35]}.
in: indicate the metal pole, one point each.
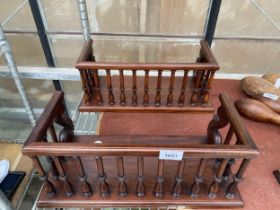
{"type": "Point", "coordinates": [43, 37]}
{"type": "Point", "coordinates": [212, 20]}
{"type": "Point", "coordinates": [5, 46]}
{"type": "Point", "coordinates": [87, 36]}
{"type": "Point", "coordinates": [42, 33]}
{"type": "Point", "coordinates": [84, 19]}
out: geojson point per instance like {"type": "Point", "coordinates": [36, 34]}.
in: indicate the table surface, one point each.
{"type": "Point", "coordinates": [260, 189]}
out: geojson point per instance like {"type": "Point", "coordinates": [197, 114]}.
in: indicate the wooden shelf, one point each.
{"type": "Point", "coordinates": [131, 200]}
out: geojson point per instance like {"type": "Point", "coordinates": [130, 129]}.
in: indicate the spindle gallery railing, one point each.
{"type": "Point", "coordinates": [174, 93]}
{"type": "Point", "coordinates": [119, 171]}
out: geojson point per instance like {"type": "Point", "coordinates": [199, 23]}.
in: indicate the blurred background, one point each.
{"type": "Point", "coordinates": [246, 41]}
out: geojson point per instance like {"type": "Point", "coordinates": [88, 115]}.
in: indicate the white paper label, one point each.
{"type": "Point", "coordinates": [277, 83]}
{"type": "Point", "coordinates": [171, 155]}
{"type": "Point", "coordinates": [271, 96]}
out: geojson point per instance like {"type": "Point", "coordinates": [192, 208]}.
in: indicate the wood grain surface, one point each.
{"type": "Point", "coordinates": [256, 110]}
{"type": "Point", "coordinates": [272, 77]}
{"type": "Point", "coordinates": [272, 104]}
{"type": "Point", "coordinates": [257, 86]}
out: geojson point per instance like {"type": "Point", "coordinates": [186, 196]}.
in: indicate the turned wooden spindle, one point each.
{"type": "Point", "coordinates": [158, 189]}
{"type": "Point", "coordinates": [195, 188]}
{"type": "Point", "coordinates": [85, 187]}
{"type": "Point", "coordinates": [63, 177]}
{"type": "Point", "coordinates": [86, 95]}
{"type": "Point", "coordinates": [140, 188]}
{"type": "Point", "coordinates": [121, 177]}
{"type": "Point", "coordinates": [98, 95]}
{"type": "Point", "coordinates": [202, 79]}
{"type": "Point", "coordinates": [122, 95]}
{"type": "Point", "coordinates": [170, 90]}
{"type": "Point", "coordinates": [256, 110]}
{"type": "Point", "coordinates": [53, 133]}
{"type": "Point", "coordinates": [232, 188]}
{"type": "Point", "coordinates": [44, 177]}
{"type": "Point", "coordinates": [103, 185]}
{"type": "Point", "coordinates": [53, 169]}
{"type": "Point", "coordinates": [227, 171]}
{"type": "Point", "coordinates": [177, 187]}
{"type": "Point", "coordinates": [146, 89]}
{"type": "Point", "coordinates": [134, 88]}
{"type": "Point", "coordinates": [181, 99]}
{"type": "Point", "coordinates": [227, 141]}
{"type": "Point", "coordinates": [90, 81]}
{"type": "Point", "coordinates": [158, 97]}
{"type": "Point", "coordinates": [207, 88]}
{"type": "Point", "coordinates": [203, 85]}
{"type": "Point", "coordinates": [195, 95]}
{"type": "Point", "coordinates": [109, 86]}
{"type": "Point", "coordinates": [229, 136]}
{"type": "Point", "coordinates": [218, 178]}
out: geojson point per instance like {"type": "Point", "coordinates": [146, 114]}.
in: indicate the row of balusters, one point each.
{"type": "Point", "coordinates": [223, 171]}
{"type": "Point", "coordinates": [202, 84]}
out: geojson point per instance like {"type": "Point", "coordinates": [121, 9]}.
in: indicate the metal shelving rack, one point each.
{"type": "Point", "coordinates": [85, 122]}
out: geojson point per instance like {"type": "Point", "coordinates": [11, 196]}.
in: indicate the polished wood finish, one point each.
{"type": "Point", "coordinates": [134, 89]}
{"type": "Point", "coordinates": [49, 188]}
{"type": "Point", "coordinates": [158, 97]}
{"type": "Point", "coordinates": [103, 185]}
{"type": "Point", "coordinates": [158, 189]}
{"type": "Point", "coordinates": [256, 110]}
{"type": "Point", "coordinates": [53, 170]}
{"type": "Point", "coordinates": [257, 86]}
{"type": "Point", "coordinates": [271, 77]}
{"type": "Point", "coordinates": [85, 186]}
{"type": "Point", "coordinates": [272, 104]}
{"type": "Point", "coordinates": [195, 188]}
{"type": "Point", "coordinates": [146, 109]}
{"type": "Point", "coordinates": [110, 89]}
{"type": "Point", "coordinates": [232, 188]}
{"type": "Point", "coordinates": [140, 188]}
{"type": "Point", "coordinates": [131, 199]}
{"type": "Point", "coordinates": [144, 96]}
{"type": "Point", "coordinates": [135, 176]}
{"type": "Point", "coordinates": [122, 96]}
{"type": "Point", "coordinates": [197, 82]}
{"type": "Point", "coordinates": [121, 177]}
{"type": "Point", "coordinates": [148, 66]}
{"type": "Point", "coordinates": [69, 191]}
{"type": "Point", "coordinates": [170, 90]}
{"type": "Point", "coordinates": [85, 86]}
{"type": "Point", "coordinates": [97, 90]}
{"type": "Point", "coordinates": [53, 133]}
{"type": "Point", "coordinates": [146, 89]}
{"type": "Point", "coordinates": [181, 99]}
{"type": "Point", "coordinates": [177, 187]}
{"type": "Point", "coordinates": [215, 185]}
